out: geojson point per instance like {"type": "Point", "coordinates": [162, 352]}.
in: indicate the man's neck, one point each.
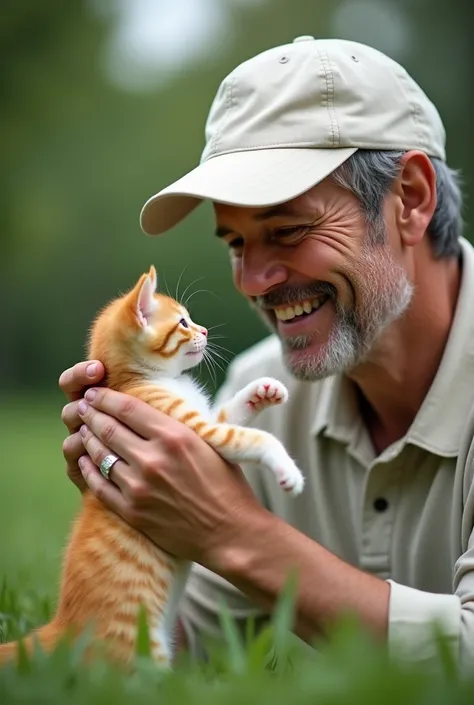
{"type": "Point", "coordinates": [395, 381]}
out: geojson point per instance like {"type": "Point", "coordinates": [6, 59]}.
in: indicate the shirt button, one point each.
{"type": "Point", "coordinates": [380, 504]}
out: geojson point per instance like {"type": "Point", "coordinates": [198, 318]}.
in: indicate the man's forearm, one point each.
{"type": "Point", "coordinates": [265, 550]}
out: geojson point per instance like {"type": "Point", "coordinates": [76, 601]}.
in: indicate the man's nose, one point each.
{"type": "Point", "coordinates": [259, 274]}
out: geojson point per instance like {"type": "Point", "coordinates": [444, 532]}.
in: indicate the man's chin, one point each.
{"type": "Point", "coordinates": [315, 360]}
{"type": "Point", "coordinates": [304, 362]}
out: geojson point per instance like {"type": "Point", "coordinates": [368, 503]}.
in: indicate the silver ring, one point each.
{"type": "Point", "coordinates": [107, 463]}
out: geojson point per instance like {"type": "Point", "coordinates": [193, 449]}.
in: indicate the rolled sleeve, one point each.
{"type": "Point", "coordinates": [413, 613]}
{"type": "Point", "coordinates": [413, 617]}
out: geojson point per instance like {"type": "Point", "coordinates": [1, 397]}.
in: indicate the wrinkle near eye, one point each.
{"type": "Point", "coordinates": [341, 241]}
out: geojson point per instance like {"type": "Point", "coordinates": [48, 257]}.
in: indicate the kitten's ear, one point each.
{"type": "Point", "coordinates": [144, 300]}
{"type": "Point", "coordinates": [153, 277]}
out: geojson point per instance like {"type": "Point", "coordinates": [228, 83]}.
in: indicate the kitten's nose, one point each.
{"type": "Point", "coordinates": [204, 331]}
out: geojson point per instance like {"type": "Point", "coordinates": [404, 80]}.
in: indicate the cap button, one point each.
{"type": "Point", "coordinates": [304, 38]}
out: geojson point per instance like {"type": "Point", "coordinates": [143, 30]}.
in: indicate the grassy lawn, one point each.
{"type": "Point", "coordinates": [37, 503]}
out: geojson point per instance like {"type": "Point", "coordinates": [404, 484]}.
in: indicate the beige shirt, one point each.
{"type": "Point", "coordinates": [406, 515]}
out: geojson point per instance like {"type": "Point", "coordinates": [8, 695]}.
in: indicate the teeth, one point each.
{"type": "Point", "coordinates": [290, 312]}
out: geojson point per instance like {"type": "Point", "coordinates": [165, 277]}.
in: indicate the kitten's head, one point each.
{"type": "Point", "coordinates": [147, 333]}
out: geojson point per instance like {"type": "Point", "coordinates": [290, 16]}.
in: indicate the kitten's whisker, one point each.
{"type": "Point", "coordinates": [217, 351]}
{"type": "Point", "coordinates": [216, 363]}
{"type": "Point", "coordinates": [220, 350]}
{"type": "Point", "coordinates": [167, 287]}
{"type": "Point", "coordinates": [209, 370]}
{"type": "Point", "coordinates": [200, 291]}
{"type": "Point", "coordinates": [195, 281]}
{"type": "Point", "coordinates": [222, 364]}
{"type": "Point", "coordinates": [212, 360]}
{"type": "Point", "coordinates": [179, 282]}
{"type": "Point", "coordinates": [220, 347]}
{"type": "Point", "coordinates": [212, 373]}
{"type": "Point", "coordinates": [218, 325]}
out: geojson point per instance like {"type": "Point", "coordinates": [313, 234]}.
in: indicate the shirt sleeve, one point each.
{"type": "Point", "coordinates": [414, 613]}
{"type": "Point", "coordinates": [413, 618]}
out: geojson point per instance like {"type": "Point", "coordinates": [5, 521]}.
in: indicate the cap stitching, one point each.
{"type": "Point", "coordinates": [328, 97]}
{"type": "Point", "coordinates": [229, 103]}
{"type": "Point", "coordinates": [298, 145]}
{"type": "Point", "coordinates": [414, 109]}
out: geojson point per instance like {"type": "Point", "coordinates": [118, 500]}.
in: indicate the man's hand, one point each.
{"type": "Point", "coordinates": [74, 382]}
{"type": "Point", "coordinates": [177, 490]}
{"type": "Point", "coordinates": [168, 483]}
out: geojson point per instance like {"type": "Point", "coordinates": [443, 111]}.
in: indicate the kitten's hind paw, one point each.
{"type": "Point", "coordinates": [288, 476]}
{"type": "Point", "coordinates": [291, 480]}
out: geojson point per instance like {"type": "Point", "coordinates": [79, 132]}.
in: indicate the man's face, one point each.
{"type": "Point", "coordinates": [311, 270]}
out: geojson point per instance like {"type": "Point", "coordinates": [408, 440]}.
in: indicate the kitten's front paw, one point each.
{"type": "Point", "coordinates": [265, 392]}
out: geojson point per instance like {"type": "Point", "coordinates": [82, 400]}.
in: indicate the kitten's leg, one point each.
{"type": "Point", "coordinates": [239, 444]}
{"type": "Point", "coordinates": [251, 400]}
{"type": "Point", "coordinates": [234, 443]}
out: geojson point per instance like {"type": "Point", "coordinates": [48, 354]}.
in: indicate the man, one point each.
{"type": "Point", "coordinates": [325, 164]}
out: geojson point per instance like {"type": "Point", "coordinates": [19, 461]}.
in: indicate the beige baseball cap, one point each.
{"type": "Point", "coordinates": [285, 119]}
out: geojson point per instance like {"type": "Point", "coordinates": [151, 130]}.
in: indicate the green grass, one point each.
{"type": "Point", "coordinates": [37, 503]}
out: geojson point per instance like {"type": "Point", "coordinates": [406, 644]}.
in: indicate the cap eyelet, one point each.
{"type": "Point", "coordinates": [284, 59]}
{"type": "Point", "coordinates": [354, 58]}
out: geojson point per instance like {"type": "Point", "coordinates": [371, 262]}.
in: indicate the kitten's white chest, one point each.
{"type": "Point", "coordinates": [188, 389]}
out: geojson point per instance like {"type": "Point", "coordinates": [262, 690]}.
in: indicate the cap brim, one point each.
{"type": "Point", "coordinates": [253, 178]}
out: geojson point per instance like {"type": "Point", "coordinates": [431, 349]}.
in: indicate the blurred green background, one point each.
{"type": "Point", "coordinates": [103, 103]}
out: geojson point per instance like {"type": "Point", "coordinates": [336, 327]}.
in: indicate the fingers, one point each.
{"type": "Point", "coordinates": [70, 417]}
{"type": "Point", "coordinates": [73, 449]}
{"type": "Point", "coordinates": [114, 435]}
{"type": "Point", "coordinates": [134, 413]}
{"type": "Point", "coordinates": [97, 451]}
{"type": "Point", "coordinates": [74, 380]}
{"type": "Point", "coordinates": [105, 490]}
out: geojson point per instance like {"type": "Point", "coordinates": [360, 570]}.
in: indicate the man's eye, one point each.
{"type": "Point", "coordinates": [292, 234]}
{"type": "Point", "coordinates": [236, 243]}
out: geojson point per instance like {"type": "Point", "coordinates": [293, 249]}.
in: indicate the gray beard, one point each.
{"type": "Point", "coordinates": [384, 294]}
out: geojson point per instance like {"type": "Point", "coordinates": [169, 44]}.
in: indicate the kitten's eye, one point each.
{"type": "Point", "coordinates": [184, 323]}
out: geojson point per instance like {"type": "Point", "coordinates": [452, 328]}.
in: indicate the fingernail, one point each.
{"type": "Point", "coordinates": [81, 462]}
{"type": "Point", "coordinates": [83, 430]}
{"type": "Point", "coordinates": [82, 407]}
{"type": "Point", "coordinates": [91, 370]}
{"type": "Point", "coordinates": [90, 394]}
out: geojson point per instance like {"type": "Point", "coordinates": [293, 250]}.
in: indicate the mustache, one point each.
{"type": "Point", "coordinates": [290, 295]}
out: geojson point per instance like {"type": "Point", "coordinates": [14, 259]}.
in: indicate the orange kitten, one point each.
{"type": "Point", "coordinates": [146, 342]}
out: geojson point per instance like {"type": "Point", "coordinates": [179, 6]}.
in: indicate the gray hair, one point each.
{"type": "Point", "coordinates": [369, 175]}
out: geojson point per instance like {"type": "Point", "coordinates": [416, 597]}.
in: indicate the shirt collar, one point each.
{"type": "Point", "coordinates": [439, 424]}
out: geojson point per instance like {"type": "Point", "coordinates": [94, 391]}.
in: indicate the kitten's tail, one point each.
{"type": "Point", "coordinates": [46, 637]}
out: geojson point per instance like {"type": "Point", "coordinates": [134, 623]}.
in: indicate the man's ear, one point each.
{"type": "Point", "coordinates": [416, 190]}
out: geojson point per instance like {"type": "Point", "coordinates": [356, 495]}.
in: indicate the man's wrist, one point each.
{"type": "Point", "coordinates": [264, 551]}
{"type": "Point", "coordinates": [238, 546]}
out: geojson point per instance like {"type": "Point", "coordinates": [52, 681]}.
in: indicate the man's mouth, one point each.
{"type": "Point", "coordinates": [300, 310]}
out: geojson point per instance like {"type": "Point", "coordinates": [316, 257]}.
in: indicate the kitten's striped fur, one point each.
{"type": "Point", "coordinates": [146, 341]}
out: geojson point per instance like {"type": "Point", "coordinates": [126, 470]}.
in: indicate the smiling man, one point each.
{"type": "Point", "coordinates": [326, 166]}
